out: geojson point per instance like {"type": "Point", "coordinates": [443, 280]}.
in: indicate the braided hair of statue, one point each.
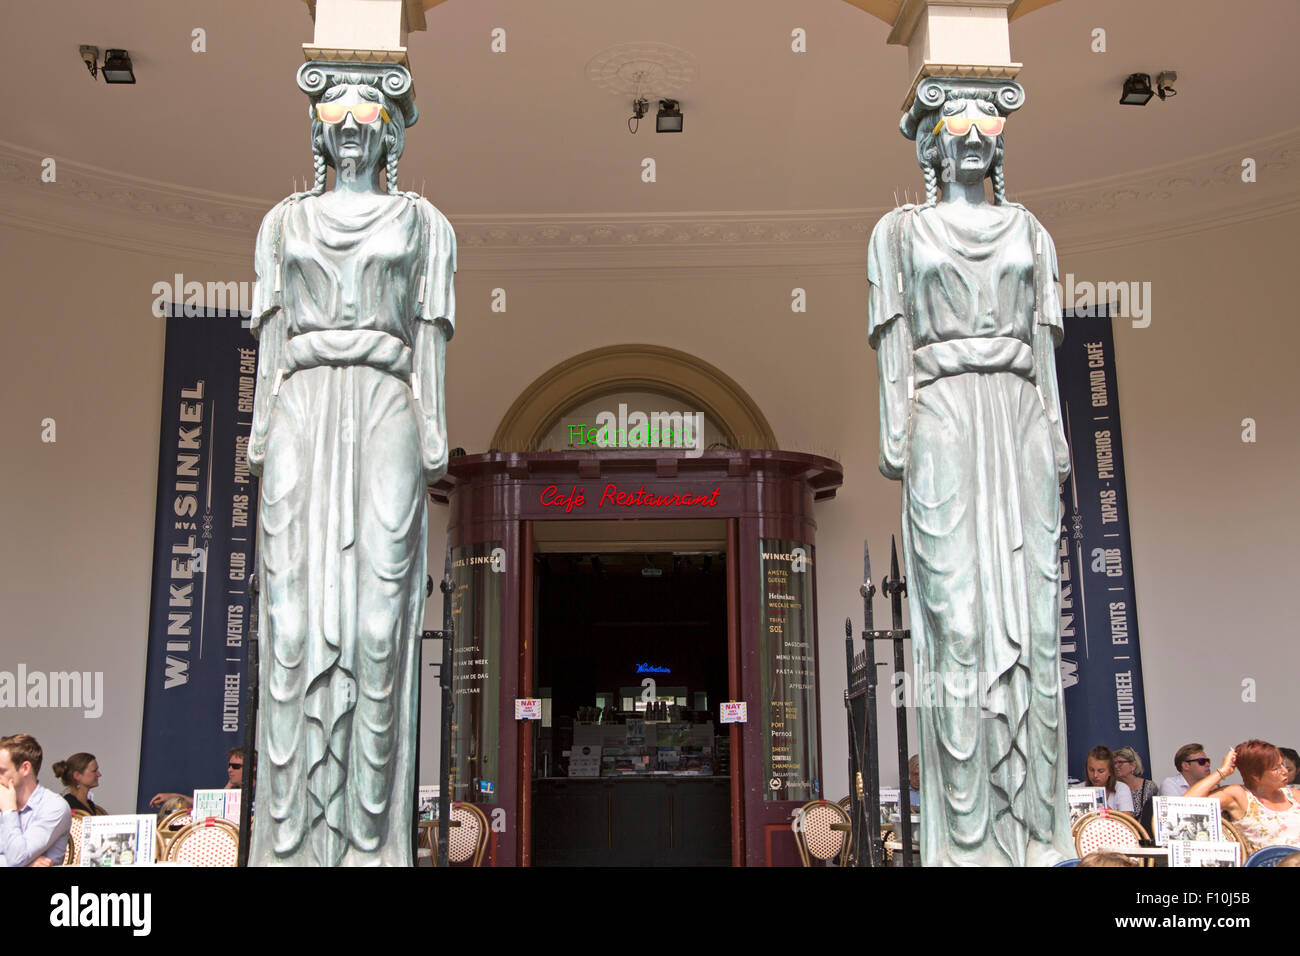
{"type": "Point", "coordinates": [390, 167]}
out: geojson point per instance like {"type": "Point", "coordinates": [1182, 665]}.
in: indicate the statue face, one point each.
{"type": "Point", "coordinates": [347, 139]}
{"type": "Point", "coordinates": [970, 153]}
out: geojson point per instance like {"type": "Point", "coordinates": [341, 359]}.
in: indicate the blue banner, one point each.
{"type": "Point", "coordinates": [1100, 665]}
{"type": "Point", "coordinates": [204, 539]}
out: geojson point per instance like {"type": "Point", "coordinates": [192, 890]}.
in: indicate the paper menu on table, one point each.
{"type": "Point", "coordinates": [123, 839]}
{"type": "Point", "coordinates": [1204, 853]}
{"type": "Point", "coordinates": [1186, 818]}
{"type": "Point", "coordinates": [222, 804]}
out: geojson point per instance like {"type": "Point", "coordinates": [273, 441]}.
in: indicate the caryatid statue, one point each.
{"type": "Point", "coordinates": [964, 317]}
{"type": "Point", "coordinates": [353, 309]}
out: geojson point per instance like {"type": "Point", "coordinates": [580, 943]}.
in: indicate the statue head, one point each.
{"type": "Point", "coordinates": [957, 125]}
{"type": "Point", "coordinates": [359, 114]}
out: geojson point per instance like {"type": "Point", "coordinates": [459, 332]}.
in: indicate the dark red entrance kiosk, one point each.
{"type": "Point", "coordinates": [766, 500]}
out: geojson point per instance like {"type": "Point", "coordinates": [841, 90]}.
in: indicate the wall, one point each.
{"type": "Point", "coordinates": [1212, 519]}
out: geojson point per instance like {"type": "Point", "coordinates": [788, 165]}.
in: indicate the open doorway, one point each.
{"type": "Point", "coordinates": [630, 767]}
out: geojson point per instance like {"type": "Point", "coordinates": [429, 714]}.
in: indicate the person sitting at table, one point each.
{"type": "Point", "coordinates": [34, 823]}
{"type": "Point", "coordinates": [1101, 773]}
{"type": "Point", "coordinates": [1192, 765]}
{"type": "Point", "coordinates": [1264, 810]}
{"type": "Point", "coordinates": [1128, 771]}
{"type": "Point", "coordinates": [234, 775]}
{"type": "Point", "coordinates": [171, 805]}
{"type": "Point", "coordinates": [80, 774]}
{"type": "Point", "coordinates": [914, 781]}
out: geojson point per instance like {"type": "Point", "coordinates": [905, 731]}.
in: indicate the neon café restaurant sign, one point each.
{"type": "Point", "coordinates": [652, 669]}
{"type": "Point", "coordinates": [575, 498]}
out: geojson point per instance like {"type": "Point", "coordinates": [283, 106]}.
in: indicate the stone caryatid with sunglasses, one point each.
{"type": "Point", "coordinates": [353, 309]}
{"type": "Point", "coordinates": [964, 318]}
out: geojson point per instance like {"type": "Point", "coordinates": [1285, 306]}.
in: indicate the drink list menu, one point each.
{"type": "Point", "coordinates": [788, 666]}
{"type": "Point", "coordinates": [475, 672]}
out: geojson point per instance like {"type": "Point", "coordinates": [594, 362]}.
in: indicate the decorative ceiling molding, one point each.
{"type": "Point", "coordinates": [1205, 192]}
{"type": "Point", "coordinates": [643, 68]}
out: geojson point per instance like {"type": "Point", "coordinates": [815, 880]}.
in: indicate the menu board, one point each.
{"type": "Point", "coordinates": [788, 667]}
{"type": "Point", "coordinates": [477, 581]}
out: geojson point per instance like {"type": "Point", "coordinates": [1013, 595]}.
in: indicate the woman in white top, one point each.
{"type": "Point", "coordinates": [1101, 773]}
{"type": "Point", "coordinates": [1265, 810]}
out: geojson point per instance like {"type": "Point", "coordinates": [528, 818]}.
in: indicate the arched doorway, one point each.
{"type": "Point", "coordinates": [582, 572]}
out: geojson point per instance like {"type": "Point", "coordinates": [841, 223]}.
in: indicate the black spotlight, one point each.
{"type": "Point", "coordinates": [669, 118]}
{"type": "Point", "coordinates": [117, 67]}
{"type": "Point", "coordinates": [1137, 90]}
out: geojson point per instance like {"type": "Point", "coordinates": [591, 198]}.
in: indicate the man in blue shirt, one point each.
{"type": "Point", "coordinates": [34, 822]}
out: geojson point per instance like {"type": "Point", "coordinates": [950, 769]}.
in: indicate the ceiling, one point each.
{"type": "Point", "coordinates": [526, 133]}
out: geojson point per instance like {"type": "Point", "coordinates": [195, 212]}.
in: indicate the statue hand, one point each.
{"type": "Point", "coordinates": [434, 456]}
{"type": "Point", "coordinates": [893, 461]}
{"type": "Point", "coordinates": [1061, 452]}
{"type": "Point", "coordinates": [256, 452]}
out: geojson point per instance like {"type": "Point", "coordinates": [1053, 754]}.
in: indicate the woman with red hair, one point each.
{"type": "Point", "coordinates": [1265, 809]}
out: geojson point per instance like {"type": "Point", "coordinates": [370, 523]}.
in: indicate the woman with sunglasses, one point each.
{"type": "Point", "coordinates": [353, 309]}
{"type": "Point", "coordinates": [1265, 810]}
{"type": "Point", "coordinates": [964, 317]}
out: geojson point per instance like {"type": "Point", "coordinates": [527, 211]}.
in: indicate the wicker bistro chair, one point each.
{"type": "Point", "coordinates": [210, 842]}
{"type": "Point", "coordinates": [72, 855]}
{"type": "Point", "coordinates": [846, 804]}
{"type": "Point", "coordinates": [1108, 829]}
{"type": "Point", "coordinates": [1244, 846]}
{"type": "Point", "coordinates": [467, 837]}
{"type": "Point", "coordinates": [1271, 855]}
{"type": "Point", "coordinates": [822, 829]}
{"type": "Point", "coordinates": [171, 825]}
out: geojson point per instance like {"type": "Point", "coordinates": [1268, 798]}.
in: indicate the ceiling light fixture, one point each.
{"type": "Point", "coordinates": [117, 67]}
{"type": "Point", "coordinates": [1137, 90]}
{"type": "Point", "coordinates": [90, 56]}
{"type": "Point", "coordinates": [669, 119]}
{"type": "Point", "coordinates": [640, 107]}
{"type": "Point", "coordinates": [1165, 84]}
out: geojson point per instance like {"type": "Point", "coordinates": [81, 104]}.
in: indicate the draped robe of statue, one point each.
{"type": "Point", "coordinates": [352, 307]}
{"type": "Point", "coordinates": [965, 318]}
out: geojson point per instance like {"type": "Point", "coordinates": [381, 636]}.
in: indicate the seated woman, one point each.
{"type": "Point", "coordinates": [1264, 810]}
{"type": "Point", "coordinates": [1101, 773]}
{"type": "Point", "coordinates": [80, 774]}
{"type": "Point", "coordinates": [1128, 771]}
